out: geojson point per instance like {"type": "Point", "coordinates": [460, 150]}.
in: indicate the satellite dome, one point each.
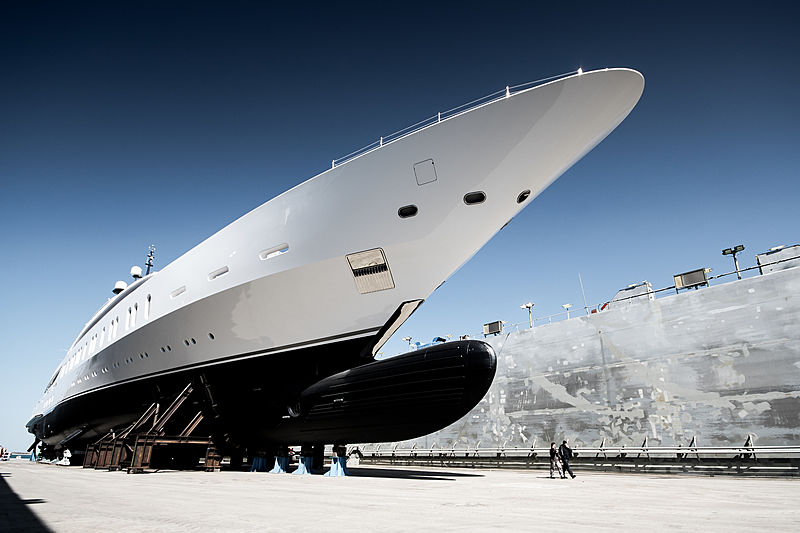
{"type": "Point", "coordinates": [136, 272]}
{"type": "Point", "coordinates": [119, 287]}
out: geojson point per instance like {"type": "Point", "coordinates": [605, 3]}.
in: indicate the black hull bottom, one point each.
{"type": "Point", "coordinates": [286, 399]}
{"type": "Point", "coordinates": [392, 400]}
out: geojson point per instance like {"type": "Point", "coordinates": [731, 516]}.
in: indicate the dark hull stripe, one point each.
{"type": "Point", "coordinates": [230, 358]}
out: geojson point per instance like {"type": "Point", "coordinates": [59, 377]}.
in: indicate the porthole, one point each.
{"type": "Point", "coordinates": [186, 342]}
{"type": "Point", "coordinates": [194, 341]}
{"type": "Point", "coordinates": [169, 348]}
{"type": "Point", "coordinates": [523, 196]}
{"type": "Point", "coordinates": [472, 198]}
{"type": "Point", "coordinates": [163, 349]}
{"type": "Point", "coordinates": [407, 211]}
{"type": "Point", "coordinates": [211, 336]}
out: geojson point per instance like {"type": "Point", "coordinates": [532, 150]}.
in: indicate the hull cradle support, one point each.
{"type": "Point", "coordinates": [145, 443]}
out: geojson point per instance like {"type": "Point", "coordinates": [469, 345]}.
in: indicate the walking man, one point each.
{"type": "Point", "coordinates": [555, 461]}
{"type": "Point", "coordinates": [566, 456]}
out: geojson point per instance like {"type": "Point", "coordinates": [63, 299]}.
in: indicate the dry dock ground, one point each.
{"type": "Point", "coordinates": [389, 499]}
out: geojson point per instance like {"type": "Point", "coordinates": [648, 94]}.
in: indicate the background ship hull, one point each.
{"type": "Point", "coordinates": [720, 363]}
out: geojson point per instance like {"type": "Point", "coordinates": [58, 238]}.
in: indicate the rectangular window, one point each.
{"type": "Point", "coordinates": [217, 273]}
{"type": "Point", "coordinates": [274, 251]}
{"type": "Point", "coordinates": [177, 292]}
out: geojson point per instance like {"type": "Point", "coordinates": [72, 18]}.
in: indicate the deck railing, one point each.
{"type": "Point", "coordinates": [556, 317]}
{"type": "Point", "coordinates": [680, 452]}
{"type": "Point", "coordinates": [711, 460]}
{"type": "Point", "coordinates": [444, 115]}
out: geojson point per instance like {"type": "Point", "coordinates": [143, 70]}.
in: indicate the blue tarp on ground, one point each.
{"type": "Point", "coordinates": [338, 467]}
{"type": "Point", "coordinates": [304, 467]}
{"type": "Point", "coordinates": [281, 464]}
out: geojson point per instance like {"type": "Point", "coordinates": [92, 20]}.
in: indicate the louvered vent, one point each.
{"type": "Point", "coordinates": [370, 271]}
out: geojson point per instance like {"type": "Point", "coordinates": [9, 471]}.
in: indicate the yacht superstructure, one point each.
{"type": "Point", "coordinates": [314, 281]}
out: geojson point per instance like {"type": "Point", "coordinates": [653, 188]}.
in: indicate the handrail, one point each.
{"type": "Point", "coordinates": [549, 319]}
{"type": "Point", "coordinates": [586, 451]}
{"type": "Point", "coordinates": [507, 92]}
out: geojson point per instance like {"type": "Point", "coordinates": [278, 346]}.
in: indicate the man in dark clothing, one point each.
{"type": "Point", "coordinates": [566, 456]}
{"type": "Point", "coordinates": [555, 461]}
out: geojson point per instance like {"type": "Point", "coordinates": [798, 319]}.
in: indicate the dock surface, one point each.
{"type": "Point", "coordinates": [63, 499]}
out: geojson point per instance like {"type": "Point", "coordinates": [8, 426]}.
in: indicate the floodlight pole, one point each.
{"type": "Point", "coordinates": [528, 306]}
{"type": "Point", "coordinates": [733, 251]}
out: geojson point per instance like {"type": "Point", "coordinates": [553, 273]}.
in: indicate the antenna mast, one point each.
{"type": "Point", "coordinates": [150, 255]}
{"type": "Point", "coordinates": [585, 307]}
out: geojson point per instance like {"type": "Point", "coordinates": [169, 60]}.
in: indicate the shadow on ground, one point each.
{"type": "Point", "coordinates": [430, 475]}
{"type": "Point", "coordinates": [355, 471]}
{"type": "Point", "coordinates": [15, 515]}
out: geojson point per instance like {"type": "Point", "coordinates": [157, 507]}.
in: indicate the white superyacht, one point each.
{"type": "Point", "coordinates": [280, 313]}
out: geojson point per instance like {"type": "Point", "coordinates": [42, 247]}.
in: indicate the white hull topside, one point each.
{"type": "Point", "coordinates": [266, 301]}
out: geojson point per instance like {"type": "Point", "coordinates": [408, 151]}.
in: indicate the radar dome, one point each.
{"type": "Point", "coordinates": [136, 272]}
{"type": "Point", "coordinates": [119, 287]}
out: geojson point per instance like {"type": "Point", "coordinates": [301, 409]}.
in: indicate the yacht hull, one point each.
{"type": "Point", "coordinates": [263, 402]}
{"type": "Point", "coordinates": [312, 282]}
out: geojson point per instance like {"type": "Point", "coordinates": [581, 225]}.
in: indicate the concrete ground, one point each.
{"type": "Point", "coordinates": [35, 496]}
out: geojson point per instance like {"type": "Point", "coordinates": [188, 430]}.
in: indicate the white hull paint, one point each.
{"type": "Point", "coordinates": [308, 294]}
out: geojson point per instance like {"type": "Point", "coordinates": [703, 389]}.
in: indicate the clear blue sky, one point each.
{"type": "Point", "coordinates": [126, 125]}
